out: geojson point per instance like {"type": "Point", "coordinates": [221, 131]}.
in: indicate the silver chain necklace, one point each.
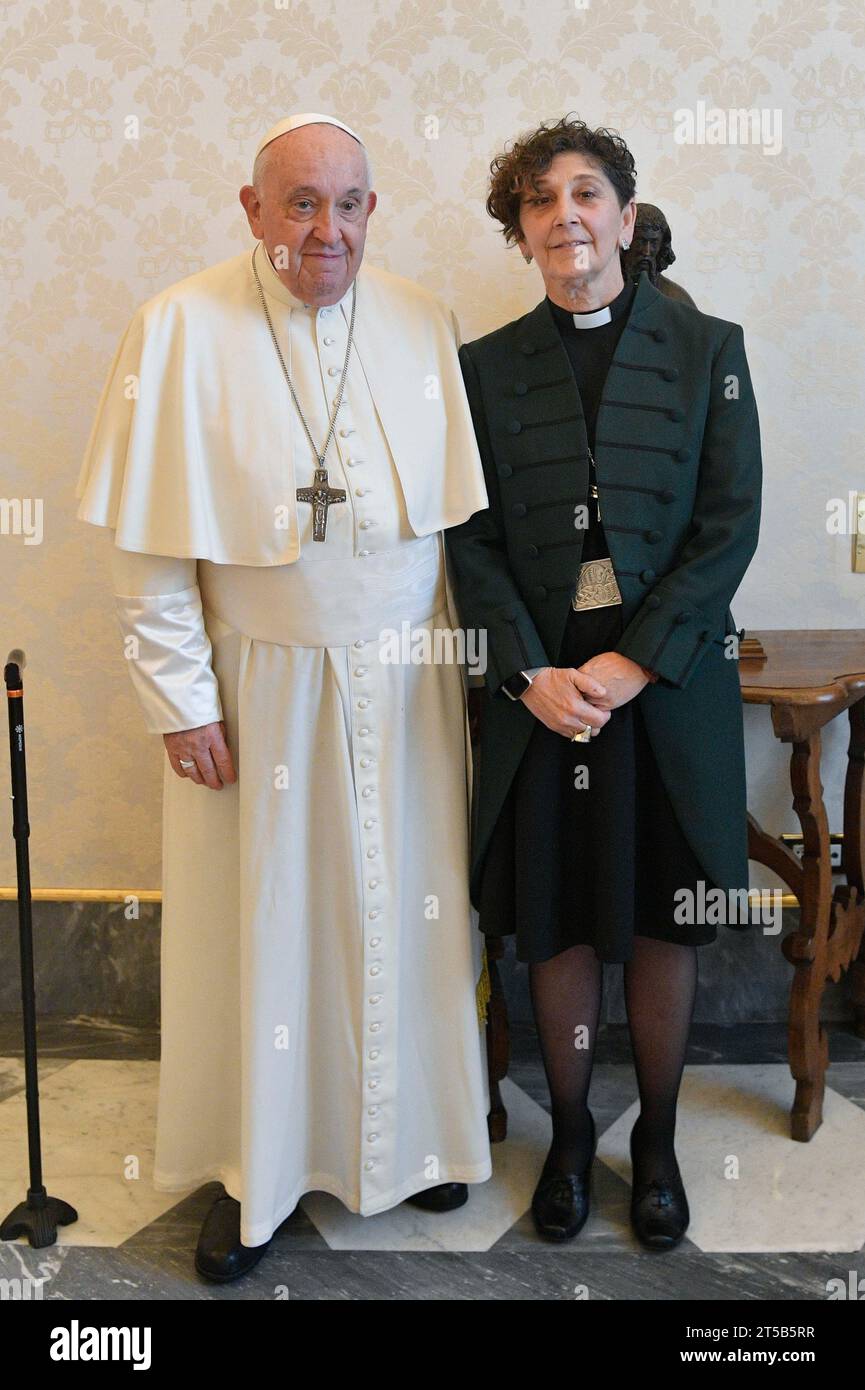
{"type": "Point", "coordinates": [321, 494]}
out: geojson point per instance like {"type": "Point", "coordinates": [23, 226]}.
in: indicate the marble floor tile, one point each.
{"type": "Point", "coordinates": [491, 1210]}
{"type": "Point", "coordinates": [12, 1073]}
{"type": "Point", "coordinates": [98, 1116]}
{"type": "Point", "coordinates": [750, 1186]}
{"type": "Point", "coordinates": [98, 1126]}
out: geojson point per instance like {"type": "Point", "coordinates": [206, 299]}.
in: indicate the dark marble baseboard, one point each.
{"type": "Point", "coordinates": [88, 959]}
{"type": "Point", "coordinates": [742, 978]}
{"type": "Point", "coordinates": [92, 961]}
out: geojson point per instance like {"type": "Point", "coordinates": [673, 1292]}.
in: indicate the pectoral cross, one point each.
{"type": "Point", "coordinates": [322, 496]}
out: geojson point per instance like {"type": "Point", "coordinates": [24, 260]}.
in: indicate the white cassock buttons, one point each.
{"type": "Point", "coordinates": [344, 433]}
{"type": "Point", "coordinates": [328, 342]}
{"type": "Point", "coordinates": [377, 1072]}
{"type": "Point", "coordinates": [333, 371]}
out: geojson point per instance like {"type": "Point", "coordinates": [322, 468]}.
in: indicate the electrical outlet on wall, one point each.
{"type": "Point", "coordinates": [836, 845]}
{"type": "Point", "coordinates": [859, 538]}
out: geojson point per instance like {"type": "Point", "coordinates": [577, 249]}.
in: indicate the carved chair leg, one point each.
{"type": "Point", "coordinates": [498, 1042]}
{"type": "Point", "coordinates": [854, 849]}
{"type": "Point", "coordinates": [807, 948]}
{"type": "Point", "coordinates": [808, 1042]}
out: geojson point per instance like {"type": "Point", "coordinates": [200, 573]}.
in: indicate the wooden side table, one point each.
{"type": "Point", "coordinates": [807, 679]}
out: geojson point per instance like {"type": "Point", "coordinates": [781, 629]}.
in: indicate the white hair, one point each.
{"type": "Point", "coordinates": [260, 166]}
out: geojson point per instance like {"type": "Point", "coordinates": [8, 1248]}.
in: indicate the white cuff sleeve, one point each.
{"type": "Point", "coordinates": [158, 605]}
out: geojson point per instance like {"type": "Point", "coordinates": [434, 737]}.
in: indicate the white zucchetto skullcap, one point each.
{"type": "Point", "coordinates": [305, 118]}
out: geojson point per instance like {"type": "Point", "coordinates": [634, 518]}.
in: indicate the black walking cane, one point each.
{"type": "Point", "coordinates": [38, 1217]}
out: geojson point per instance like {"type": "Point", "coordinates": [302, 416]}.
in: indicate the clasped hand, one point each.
{"type": "Point", "coordinates": [567, 699]}
{"type": "Point", "coordinates": [564, 699]}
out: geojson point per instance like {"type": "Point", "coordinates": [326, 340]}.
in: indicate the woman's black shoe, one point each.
{"type": "Point", "coordinates": [659, 1210]}
{"type": "Point", "coordinates": [219, 1255]}
{"type": "Point", "coordinates": [560, 1206]}
{"type": "Point", "coordinates": [447, 1196]}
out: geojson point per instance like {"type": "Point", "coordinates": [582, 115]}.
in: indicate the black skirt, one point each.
{"type": "Point", "coordinates": [592, 856]}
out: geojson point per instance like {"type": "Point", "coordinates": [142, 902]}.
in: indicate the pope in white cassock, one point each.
{"type": "Point", "coordinates": [319, 965]}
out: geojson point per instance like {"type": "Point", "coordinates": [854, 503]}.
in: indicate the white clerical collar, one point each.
{"type": "Point", "coordinates": [593, 319]}
{"type": "Point", "coordinates": [273, 285]}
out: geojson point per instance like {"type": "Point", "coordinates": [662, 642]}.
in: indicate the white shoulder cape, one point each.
{"type": "Point", "coordinates": [189, 454]}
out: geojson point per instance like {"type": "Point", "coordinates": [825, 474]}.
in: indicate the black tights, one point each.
{"type": "Point", "coordinates": [660, 987]}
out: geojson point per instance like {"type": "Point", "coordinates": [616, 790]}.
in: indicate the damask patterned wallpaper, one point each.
{"type": "Point", "coordinates": [126, 130]}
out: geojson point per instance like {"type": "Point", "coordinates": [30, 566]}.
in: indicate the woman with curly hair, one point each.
{"type": "Point", "coordinates": [621, 448]}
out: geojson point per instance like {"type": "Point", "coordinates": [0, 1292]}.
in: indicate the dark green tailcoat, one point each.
{"type": "Point", "coordinates": [678, 462]}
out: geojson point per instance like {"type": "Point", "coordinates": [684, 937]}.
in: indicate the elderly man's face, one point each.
{"type": "Point", "coordinates": [572, 225]}
{"type": "Point", "coordinates": [312, 209]}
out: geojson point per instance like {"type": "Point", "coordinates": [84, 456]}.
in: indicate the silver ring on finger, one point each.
{"type": "Point", "coordinates": [184, 763]}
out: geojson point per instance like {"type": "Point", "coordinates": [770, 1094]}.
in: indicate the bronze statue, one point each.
{"type": "Point", "coordinates": [651, 250]}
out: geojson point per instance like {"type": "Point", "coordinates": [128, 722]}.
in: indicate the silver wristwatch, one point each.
{"type": "Point", "coordinates": [516, 686]}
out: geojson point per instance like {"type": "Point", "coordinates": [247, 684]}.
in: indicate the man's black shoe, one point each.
{"type": "Point", "coordinates": [447, 1196]}
{"type": "Point", "coordinates": [219, 1255]}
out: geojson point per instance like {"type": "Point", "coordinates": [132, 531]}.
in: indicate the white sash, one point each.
{"type": "Point", "coordinates": [329, 602]}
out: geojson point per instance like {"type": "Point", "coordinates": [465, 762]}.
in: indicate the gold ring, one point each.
{"type": "Point", "coordinates": [584, 734]}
